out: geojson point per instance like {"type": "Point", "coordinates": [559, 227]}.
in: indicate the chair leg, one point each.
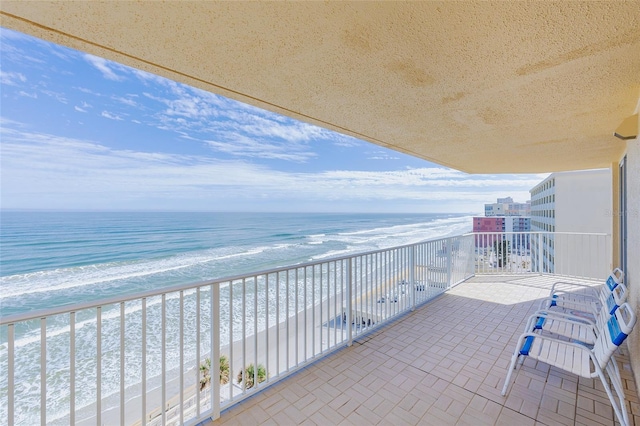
{"type": "Point", "coordinates": [512, 367]}
{"type": "Point", "coordinates": [620, 410]}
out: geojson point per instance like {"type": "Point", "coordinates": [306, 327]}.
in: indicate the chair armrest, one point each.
{"type": "Point", "coordinates": [594, 289]}
{"type": "Point", "coordinates": [562, 316]}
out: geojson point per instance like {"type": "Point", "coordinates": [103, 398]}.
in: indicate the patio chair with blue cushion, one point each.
{"type": "Point", "coordinates": [581, 326]}
{"type": "Point", "coordinates": [578, 359]}
{"type": "Point", "coordinates": [583, 294]}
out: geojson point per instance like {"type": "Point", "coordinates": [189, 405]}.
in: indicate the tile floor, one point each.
{"type": "Point", "coordinates": [443, 364]}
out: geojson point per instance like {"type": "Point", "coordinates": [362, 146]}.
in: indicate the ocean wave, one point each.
{"type": "Point", "coordinates": [62, 279]}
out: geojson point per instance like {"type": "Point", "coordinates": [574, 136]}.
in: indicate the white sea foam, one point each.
{"type": "Point", "coordinates": [92, 275]}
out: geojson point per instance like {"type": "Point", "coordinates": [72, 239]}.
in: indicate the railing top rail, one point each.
{"type": "Point", "coordinates": [595, 234]}
{"type": "Point", "coordinates": [64, 309]}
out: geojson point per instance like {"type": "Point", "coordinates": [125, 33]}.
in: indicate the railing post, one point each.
{"type": "Point", "coordinates": [412, 276]}
{"type": "Point", "coordinates": [449, 262]}
{"type": "Point", "coordinates": [216, 320]}
{"type": "Point", "coordinates": [349, 319]}
{"type": "Point", "coordinates": [539, 252]}
{"type": "Point", "coordinates": [10, 372]}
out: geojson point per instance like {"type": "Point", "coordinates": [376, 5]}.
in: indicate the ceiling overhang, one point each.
{"type": "Point", "coordinates": [483, 87]}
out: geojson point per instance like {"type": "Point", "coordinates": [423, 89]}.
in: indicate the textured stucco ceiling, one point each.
{"type": "Point", "coordinates": [484, 87]}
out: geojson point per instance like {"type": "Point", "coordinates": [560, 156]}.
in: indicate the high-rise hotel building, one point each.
{"type": "Point", "coordinates": [568, 202]}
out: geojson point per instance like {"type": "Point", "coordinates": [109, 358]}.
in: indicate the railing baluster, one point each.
{"type": "Point", "coordinates": [297, 320]}
{"type": "Point", "coordinates": [320, 303]}
{"type": "Point", "coordinates": [11, 373]}
{"type": "Point", "coordinates": [328, 304]}
{"type": "Point", "coordinates": [215, 351]}
{"type": "Point", "coordinates": [255, 327]}
{"type": "Point", "coordinates": [335, 303]}
{"type": "Point", "coordinates": [349, 308]}
{"type": "Point", "coordinates": [277, 323]}
{"type": "Point", "coordinates": [231, 339]}
{"type": "Point", "coordinates": [181, 333]}
{"type": "Point", "coordinates": [143, 392]}
{"type": "Point", "coordinates": [412, 277]}
{"type": "Point", "coordinates": [361, 293]}
{"type": "Point", "coordinates": [266, 315]}
{"type": "Point", "coordinates": [313, 311]}
{"type": "Point", "coordinates": [243, 367]}
{"type": "Point", "coordinates": [306, 314]}
{"type": "Point", "coordinates": [122, 363]}
{"type": "Point", "coordinates": [99, 365]}
{"type": "Point", "coordinates": [43, 371]}
{"type": "Point", "coordinates": [163, 345]}
{"type": "Point", "coordinates": [197, 369]}
{"type": "Point", "coordinates": [286, 283]}
{"type": "Point", "coordinates": [72, 369]}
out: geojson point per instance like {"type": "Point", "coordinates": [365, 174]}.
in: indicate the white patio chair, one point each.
{"type": "Point", "coordinates": [578, 359]}
{"type": "Point", "coordinates": [595, 297]}
{"type": "Point", "coordinates": [581, 326]}
{"type": "Point", "coordinates": [615, 277]}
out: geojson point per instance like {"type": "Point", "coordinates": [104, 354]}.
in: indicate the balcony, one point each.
{"type": "Point", "coordinates": [418, 333]}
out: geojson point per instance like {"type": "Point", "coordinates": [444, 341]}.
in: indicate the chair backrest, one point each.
{"type": "Point", "coordinates": [612, 333]}
{"type": "Point", "coordinates": [615, 277]}
{"type": "Point", "coordinates": [616, 298]}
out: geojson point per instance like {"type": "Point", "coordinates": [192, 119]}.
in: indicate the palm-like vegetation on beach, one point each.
{"type": "Point", "coordinates": [205, 371]}
{"type": "Point", "coordinates": [249, 375]}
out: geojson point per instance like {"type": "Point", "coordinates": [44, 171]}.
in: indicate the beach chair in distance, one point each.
{"type": "Point", "coordinates": [576, 325]}
{"type": "Point", "coordinates": [578, 359]}
{"type": "Point", "coordinates": [595, 297]}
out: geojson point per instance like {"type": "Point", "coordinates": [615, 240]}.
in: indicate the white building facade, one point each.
{"type": "Point", "coordinates": [507, 207]}
{"type": "Point", "coordinates": [570, 202]}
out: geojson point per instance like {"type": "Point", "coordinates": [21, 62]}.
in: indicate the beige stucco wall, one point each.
{"type": "Point", "coordinates": [633, 246]}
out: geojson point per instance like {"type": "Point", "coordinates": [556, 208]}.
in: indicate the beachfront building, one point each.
{"type": "Point", "coordinates": [500, 87]}
{"type": "Point", "coordinates": [500, 224]}
{"type": "Point", "coordinates": [575, 202]}
{"type": "Point", "coordinates": [507, 207]}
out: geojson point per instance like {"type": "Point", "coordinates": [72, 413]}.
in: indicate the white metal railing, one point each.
{"type": "Point", "coordinates": [137, 359]}
{"type": "Point", "coordinates": [586, 255]}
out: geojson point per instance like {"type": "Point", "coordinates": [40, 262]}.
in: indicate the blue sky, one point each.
{"type": "Point", "coordinates": [80, 132]}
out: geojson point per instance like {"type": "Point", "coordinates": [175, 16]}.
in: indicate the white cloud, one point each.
{"type": "Point", "coordinates": [60, 97]}
{"type": "Point", "coordinates": [12, 78]}
{"type": "Point", "coordinates": [111, 116]}
{"type": "Point", "coordinates": [105, 67]}
{"type": "Point", "coordinates": [86, 174]}
{"type": "Point", "coordinates": [77, 108]}
{"type": "Point", "coordinates": [28, 95]}
{"type": "Point", "coordinates": [243, 146]}
{"type": "Point", "coordinates": [126, 101]}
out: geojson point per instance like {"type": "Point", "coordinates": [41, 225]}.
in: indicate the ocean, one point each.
{"type": "Point", "coordinates": [51, 259]}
